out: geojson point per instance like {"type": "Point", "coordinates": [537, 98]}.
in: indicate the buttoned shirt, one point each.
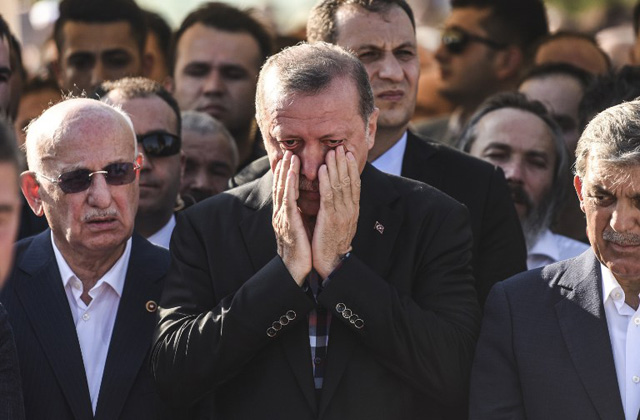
{"type": "Point", "coordinates": [551, 247]}
{"type": "Point", "coordinates": [391, 160]}
{"type": "Point", "coordinates": [94, 322]}
{"type": "Point", "coordinates": [163, 236]}
{"type": "Point", "coordinates": [624, 332]}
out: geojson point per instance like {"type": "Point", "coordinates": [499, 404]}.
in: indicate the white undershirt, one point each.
{"type": "Point", "coordinates": [624, 332]}
{"type": "Point", "coordinates": [94, 322]}
{"type": "Point", "coordinates": [391, 161]}
{"type": "Point", "coordinates": [163, 236]}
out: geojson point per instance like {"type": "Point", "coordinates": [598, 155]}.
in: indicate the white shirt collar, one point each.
{"type": "Point", "coordinates": [114, 277]}
{"type": "Point", "coordinates": [546, 245]}
{"type": "Point", "coordinates": [163, 236]}
{"type": "Point", "coordinates": [391, 160]}
{"type": "Point", "coordinates": [611, 289]}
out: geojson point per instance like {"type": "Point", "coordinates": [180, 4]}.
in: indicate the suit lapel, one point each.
{"type": "Point", "coordinates": [418, 162]}
{"type": "Point", "coordinates": [133, 329]}
{"type": "Point", "coordinates": [584, 328]}
{"type": "Point", "coordinates": [378, 228]}
{"type": "Point", "coordinates": [45, 303]}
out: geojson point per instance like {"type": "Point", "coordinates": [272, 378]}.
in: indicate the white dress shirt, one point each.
{"type": "Point", "coordinates": [390, 161]}
{"type": "Point", "coordinates": [94, 322]}
{"type": "Point", "coordinates": [163, 236]}
{"type": "Point", "coordinates": [624, 332]}
{"type": "Point", "coordinates": [551, 247]}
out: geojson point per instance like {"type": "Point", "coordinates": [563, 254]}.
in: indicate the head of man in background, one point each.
{"type": "Point", "coordinates": [560, 87]}
{"type": "Point", "coordinates": [9, 196]}
{"type": "Point", "coordinates": [521, 137]}
{"type": "Point", "coordinates": [217, 54]}
{"type": "Point", "coordinates": [6, 69]}
{"type": "Point", "coordinates": [157, 46]}
{"type": "Point", "coordinates": [485, 47]}
{"type": "Point", "coordinates": [98, 41]}
{"type": "Point", "coordinates": [157, 124]}
{"type": "Point", "coordinates": [37, 95]}
{"type": "Point", "coordinates": [575, 48]}
{"type": "Point", "coordinates": [211, 156]}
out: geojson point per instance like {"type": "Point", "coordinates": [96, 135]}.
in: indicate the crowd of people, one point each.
{"type": "Point", "coordinates": [214, 226]}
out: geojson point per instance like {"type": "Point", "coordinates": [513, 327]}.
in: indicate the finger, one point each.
{"type": "Point", "coordinates": [326, 192]}
{"type": "Point", "coordinates": [291, 185]}
{"type": "Point", "coordinates": [343, 175]}
{"type": "Point", "coordinates": [285, 162]}
{"type": "Point", "coordinates": [334, 179]}
{"type": "Point", "coordinates": [276, 186]}
{"type": "Point", "coordinates": [354, 177]}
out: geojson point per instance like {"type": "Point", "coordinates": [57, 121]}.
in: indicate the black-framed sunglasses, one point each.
{"type": "Point", "coordinates": [456, 40]}
{"type": "Point", "coordinates": [79, 180]}
{"type": "Point", "coordinates": [159, 143]}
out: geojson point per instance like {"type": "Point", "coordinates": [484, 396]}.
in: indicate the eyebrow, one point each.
{"type": "Point", "coordinates": [6, 70]}
{"type": "Point", "coordinates": [7, 208]}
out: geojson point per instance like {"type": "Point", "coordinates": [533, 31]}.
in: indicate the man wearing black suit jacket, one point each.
{"type": "Point", "coordinates": [382, 35]}
{"type": "Point", "coordinates": [562, 342]}
{"type": "Point", "coordinates": [82, 295]}
{"type": "Point", "coordinates": [325, 289]}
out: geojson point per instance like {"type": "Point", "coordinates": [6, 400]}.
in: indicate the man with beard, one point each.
{"type": "Point", "coordinates": [520, 136]}
{"type": "Point", "coordinates": [562, 342]}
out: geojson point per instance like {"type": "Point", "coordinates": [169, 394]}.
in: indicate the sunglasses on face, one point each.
{"type": "Point", "coordinates": [80, 179]}
{"type": "Point", "coordinates": [159, 144]}
{"type": "Point", "coordinates": [455, 40]}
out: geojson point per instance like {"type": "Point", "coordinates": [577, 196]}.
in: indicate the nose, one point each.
{"type": "Point", "coordinates": [441, 53]}
{"type": "Point", "coordinates": [311, 157]}
{"type": "Point", "coordinates": [97, 73]}
{"type": "Point", "coordinates": [99, 194]}
{"type": "Point", "coordinates": [147, 163]}
{"type": "Point", "coordinates": [390, 68]}
{"type": "Point", "coordinates": [512, 171]}
{"type": "Point", "coordinates": [625, 217]}
{"type": "Point", "coordinates": [213, 82]}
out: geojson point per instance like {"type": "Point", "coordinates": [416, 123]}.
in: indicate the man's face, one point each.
{"type": "Point", "coordinates": [159, 70]}
{"type": "Point", "coordinates": [100, 219]}
{"type": "Point", "coordinates": [561, 94]}
{"type": "Point", "coordinates": [216, 72]}
{"type": "Point", "coordinates": [9, 215]}
{"type": "Point", "coordinates": [5, 75]}
{"type": "Point", "coordinates": [386, 45]}
{"type": "Point", "coordinates": [95, 52]}
{"type": "Point", "coordinates": [520, 143]}
{"type": "Point", "coordinates": [31, 105]}
{"type": "Point", "coordinates": [579, 52]}
{"type": "Point", "coordinates": [160, 175]}
{"type": "Point", "coordinates": [610, 198]}
{"type": "Point", "coordinates": [311, 125]}
{"type": "Point", "coordinates": [468, 76]}
{"type": "Point", "coordinates": [208, 164]}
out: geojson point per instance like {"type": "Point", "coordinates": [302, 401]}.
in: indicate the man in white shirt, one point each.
{"type": "Point", "coordinates": [82, 296]}
{"type": "Point", "coordinates": [157, 122]}
{"type": "Point", "coordinates": [520, 136]}
{"type": "Point", "coordinates": [562, 342]}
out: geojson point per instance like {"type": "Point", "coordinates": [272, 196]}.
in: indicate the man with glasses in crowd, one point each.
{"type": "Point", "coordinates": [485, 47]}
{"type": "Point", "coordinates": [82, 295]}
{"type": "Point", "coordinates": [157, 122]}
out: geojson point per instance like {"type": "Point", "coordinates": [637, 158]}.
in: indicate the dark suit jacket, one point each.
{"type": "Point", "coordinates": [409, 281]}
{"type": "Point", "coordinates": [499, 249]}
{"type": "Point", "coordinates": [11, 404]}
{"type": "Point", "coordinates": [544, 351]}
{"type": "Point", "coordinates": [53, 376]}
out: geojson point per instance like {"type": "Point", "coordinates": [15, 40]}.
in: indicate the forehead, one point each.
{"type": "Point", "coordinates": [357, 27]}
{"type": "Point", "coordinates": [469, 18]}
{"type": "Point", "coordinates": [200, 43]}
{"type": "Point", "coordinates": [613, 177]}
{"type": "Point", "coordinates": [205, 146]}
{"type": "Point", "coordinates": [97, 37]}
{"type": "Point", "coordinates": [4, 53]}
{"type": "Point", "coordinates": [147, 114]}
{"type": "Point", "coordinates": [518, 129]}
{"type": "Point", "coordinates": [557, 90]}
{"type": "Point", "coordinates": [579, 52]}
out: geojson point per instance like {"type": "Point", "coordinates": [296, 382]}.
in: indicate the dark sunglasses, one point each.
{"type": "Point", "coordinates": [80, 179]}
{"type": "Point", "coordinates": [159, 144]}
{"type": "Point", "coordinates": [455, 40]}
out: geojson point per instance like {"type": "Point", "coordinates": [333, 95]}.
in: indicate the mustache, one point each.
{"type": "Point", "coordinates": [519, 195]}
{"type": "Point", "coordinates": [621, 238]}
{"type": "Point", "coordinates": [99, 215]}
{"type": "Point", "coordinates": [306, 185]}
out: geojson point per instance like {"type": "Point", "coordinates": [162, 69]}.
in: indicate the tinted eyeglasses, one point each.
{"type": "Point", "coordinates": [455, 40]}
{"type": "Point", "coordinates": [80, 179]}
{"type": "Point", "coordinates": [159, 144]}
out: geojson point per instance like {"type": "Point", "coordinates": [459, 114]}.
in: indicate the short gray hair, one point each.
{"type": "Point", "coordinates": [612, 136]}
{"type": "Point", "coordinates": [309, 69]}
{"type": "Point", "coordinates": [204, 124]}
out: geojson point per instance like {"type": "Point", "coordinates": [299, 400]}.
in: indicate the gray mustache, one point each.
{"type": "Point", "coordinates": [621, 238]}
{"type": "Point", "coordinates": [104, 214]}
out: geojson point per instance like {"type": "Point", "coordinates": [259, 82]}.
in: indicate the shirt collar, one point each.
{"type": "Point", "coordinates": [546, 245]}
{"type": "Point", "coordinates": [114, 277]}
{"type": "Point", "coordinates": [391, 161]}
{"type": "Point", "coordinates": [611, 289]}
{"type": "Point", "coordinates": [163, 236]}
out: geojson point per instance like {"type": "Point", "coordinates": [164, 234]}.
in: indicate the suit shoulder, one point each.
{"type": "Point", "coordinates": [538, 283]}
{"type": "Point", "coordinates": [421, 194]}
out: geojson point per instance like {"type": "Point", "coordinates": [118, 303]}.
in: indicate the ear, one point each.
{"type": "Point", "coordinates": [31, 190]}
{"type": "Point", "coordinates": [509, 63]}
{"type": "Point", "coordinates": [577, 184]}
{"type": "Point", "coordinates": [372, 126]}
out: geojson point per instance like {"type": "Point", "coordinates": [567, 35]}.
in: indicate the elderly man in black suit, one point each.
{"type": "Point", "coordinates": [325, 289]}
{"type": "Point", "coordinates": [381, 33]}
{"type": "Point", "coordinates": [82, 295]}
{"type": "Point", "coordinates": [562, 342]}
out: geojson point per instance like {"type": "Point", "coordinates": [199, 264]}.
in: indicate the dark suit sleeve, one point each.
{"type": "Point", "coordinates": [496, 391]}
{"type": "Point", "coordinates": [425, 335]}
{"type": "Point", "coordinates": [501, 248]}
{"type": "Point", "coordinates": [191, 355]}
{"type": "Point", "coordinates": [11, 403]}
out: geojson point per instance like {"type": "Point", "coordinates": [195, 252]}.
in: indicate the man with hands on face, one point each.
{"type": "Point", "coordinates": [326, 289]}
